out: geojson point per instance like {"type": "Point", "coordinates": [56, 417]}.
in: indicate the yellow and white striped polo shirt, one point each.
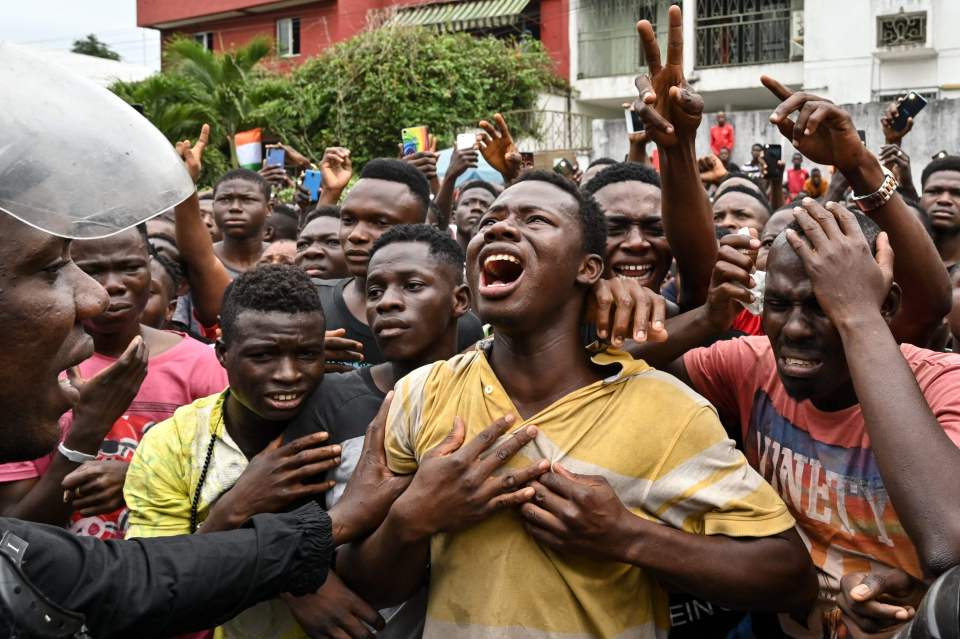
{"type": "Point", "coordinates": [658, 443]}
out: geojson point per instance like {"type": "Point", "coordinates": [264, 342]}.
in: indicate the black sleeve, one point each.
{"type": "Point", "coordinates": [469, 331]}
{"type": "Point", "coordinates": [165, 586]}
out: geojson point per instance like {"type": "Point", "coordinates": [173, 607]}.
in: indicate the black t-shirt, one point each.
{"type": "Point", "coordinates": [469, 328]}
{"type": "Point", "coordinates": [343, 404]}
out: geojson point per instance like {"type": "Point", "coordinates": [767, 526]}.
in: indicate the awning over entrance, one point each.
{"type": "Point", "coordinates": [461, 16]}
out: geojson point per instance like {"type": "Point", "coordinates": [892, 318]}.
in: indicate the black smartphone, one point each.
{"type": "Point", "coordinates": [939, 155]}
{"type": "Point", "coordinates": [862, 134]}
{"type": "Point", "coordinates": [909, 107]}
{"type": "Point", "coordinates": [771, 155]}
{"type": "Point", "coordinates": [634, 123]}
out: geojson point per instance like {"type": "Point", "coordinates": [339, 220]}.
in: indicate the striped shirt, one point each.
{"type": "Point", "coordinates": [658, 444]}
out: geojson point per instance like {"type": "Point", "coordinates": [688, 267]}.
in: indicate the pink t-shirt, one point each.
{"type": "Point", "coordinates": [176, 377]}
{"type": "Point", "coordinates": [821, 462]}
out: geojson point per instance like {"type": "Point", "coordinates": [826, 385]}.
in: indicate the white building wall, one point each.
{"type": "Point", "coordinates": [841, 60]}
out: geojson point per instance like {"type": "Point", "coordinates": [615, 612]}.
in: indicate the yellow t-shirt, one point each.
{"type": "Point", "coordinates": [160, 486]}
{"type": "Point", "coordinates": [658, 443]}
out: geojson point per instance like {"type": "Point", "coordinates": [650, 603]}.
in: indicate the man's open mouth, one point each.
{"type": "Point", "coordinates": [800, 366]}
{"type": "Point", "coordinates": [284, 401]}
{"type": "Point", "coordinates": [499, 274]}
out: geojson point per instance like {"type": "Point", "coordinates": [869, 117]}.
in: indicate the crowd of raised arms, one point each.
{"type": "Point", "coordinates": [693, 399]}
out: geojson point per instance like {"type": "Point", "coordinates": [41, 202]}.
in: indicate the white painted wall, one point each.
{"type": "Point", "coordinates": [841, 60]}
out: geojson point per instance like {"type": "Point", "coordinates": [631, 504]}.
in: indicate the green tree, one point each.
{"type": "Point", "coordinates": [226, 83]}
{"type": "Point", "coordinates": [91, 45]}
{"type": "Point", "coordinates": [172, 103]}
{"type": "Point", "coordinates": [361, 92]}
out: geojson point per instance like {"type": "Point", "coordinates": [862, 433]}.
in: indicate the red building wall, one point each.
{"type": "Point", "coordinates": [322, 23]}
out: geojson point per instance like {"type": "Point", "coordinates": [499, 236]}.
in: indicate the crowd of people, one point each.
{"type": "Point", "coordinates": [690, 399]}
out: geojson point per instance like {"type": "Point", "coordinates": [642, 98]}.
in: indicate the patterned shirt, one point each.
{"type": "Point", "coordinates": [659, 444]}
{"type": "Point", "coordinates": [820, 462]}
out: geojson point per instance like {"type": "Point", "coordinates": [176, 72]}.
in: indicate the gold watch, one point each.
{"type": "Point", "coordinates": [881, 196]}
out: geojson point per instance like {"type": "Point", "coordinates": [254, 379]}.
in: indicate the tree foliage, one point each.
{"type": "Point", "coordinates": [91, 45]}
{"type": "Point", "coordinates": [358, 93]}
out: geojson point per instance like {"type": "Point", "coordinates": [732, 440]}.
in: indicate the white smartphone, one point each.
{"type": "Point", "coordinates": [466, 141]}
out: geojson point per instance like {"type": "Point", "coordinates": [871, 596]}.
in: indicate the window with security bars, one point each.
{"type": "Point", "coordinates": [288, 37]}
{"type": "Point", "coordinates": [902, 29]}
{"type": "Point", "coordinates": [607, 38]}
{"type": "Point", "coordinates": [740, 32]}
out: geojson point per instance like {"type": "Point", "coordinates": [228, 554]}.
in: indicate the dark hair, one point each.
{"type": "Point", "coordinates": [142, 230]}
{"type": "Point", "coordinates": [327, 210]}
{"type": "Point", "coordinates": [759, 197]}
{"type": "Point", "coordinates": [477, 184]}
{"type": "Point", "coordinates": [247, 176]}
{"type": "Point", "coordinates": [599, 161]}
{"type": "Point", "coordinates": [593, 225]}
{"type": "Point", "coordinates": [623, 172]}
{"type": "Point", "coordinates": [284, 222]}
{"type": "Point", "coordinates": [441, 246]}
{"type": "Point", "coordinates": [870, 230]}
{"type": "Point", "coordinates": [742, 176]}
{"type": "Point", "coordinates": [756, 145]}
{"type": "Point", "coordinates": [400, 171]}
{"type": "Point", "coordinates": [269, 287]}
{"type": "Point", "coordinates": [946, 163]}
{"type": "Point", "coordinates": [172, 269]}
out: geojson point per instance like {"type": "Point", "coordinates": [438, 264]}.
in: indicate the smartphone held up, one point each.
{"type": "Point", "coordinates": [414, 140]}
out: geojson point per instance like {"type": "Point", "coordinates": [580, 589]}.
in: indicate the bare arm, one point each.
{"type": "Point", "coordinates": [831, 138]}
{"type": "Point", "coordinates": [460, 161]}
{"type": "Point", "coordinates": [672, 113]}
{"type": "Point", "coordinates": [207, 276]}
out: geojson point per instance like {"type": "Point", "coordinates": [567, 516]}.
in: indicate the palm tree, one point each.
{"type": "Point", "coordinates": [224, 81]}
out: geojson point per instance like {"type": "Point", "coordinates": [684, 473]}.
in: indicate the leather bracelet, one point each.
{"type": "Point", "coordinates": [75, 455]}
{"type": "Point", "coordinates": [881, 196]}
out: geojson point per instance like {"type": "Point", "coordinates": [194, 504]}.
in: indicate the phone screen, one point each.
{"type": "Point", "coordinates": [276, 157]}
{"type": "Point", "coordinates": [634, 123]}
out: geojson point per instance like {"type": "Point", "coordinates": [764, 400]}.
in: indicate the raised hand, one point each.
{"type": "Point", "coordinates": [711, 169]}
{"type": "Point", "coordinates": [276, 477]}
{"type": "Point", "coordinates": [336, 168]}
{"type": "Point", "coordinates": [823, 132]}
{"type": "Point", "coordinates": [496, 145]}
{"type": "Point", "coordinates": [622, 309]}
{"type": "Point", "coordinates": [897, 160]}
{"type": "Point", "coordinates": [106, 396]}
{"type": "Point", "coordinates": [425, 162]}
{"type": "Point", "coordinates": [373, 487]}
{"type": "Point", "coordinates": [670, 110]}
{"type": "Point", "coordinates": [460, 161]}
{"type": "Point", "coordinates": [193, 155]}
{"type": "Point", "coordinates": [847, 280]}
{"type": "Point", "coordinates": [455, 486]}
{"type": "Point", "coordinates": [577, 514]}
{"type": "Point", "coordinates": [732, 280]}
{"type": "Point", "coordinates": [890, 134]}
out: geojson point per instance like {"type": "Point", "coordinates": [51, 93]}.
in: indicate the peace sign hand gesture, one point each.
{"type": "Point", "coordinates": [670, 109]}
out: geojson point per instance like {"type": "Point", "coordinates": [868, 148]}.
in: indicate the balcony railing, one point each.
{"type": "Point", "coordinates": [740, 32]}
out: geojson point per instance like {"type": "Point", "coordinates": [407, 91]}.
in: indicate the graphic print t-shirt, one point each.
{"type": "Point", "coordinates": [821, 463]}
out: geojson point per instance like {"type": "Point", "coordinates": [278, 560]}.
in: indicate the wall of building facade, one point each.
{"type": "Point", "coordinates": [937, 129]}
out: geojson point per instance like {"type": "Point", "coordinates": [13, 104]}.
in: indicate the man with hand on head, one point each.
{"type": "Point", "coordinates": [581, 546]}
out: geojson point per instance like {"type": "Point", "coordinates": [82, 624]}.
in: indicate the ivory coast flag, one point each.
{"type": "Point", "coordinates": [249, 152]}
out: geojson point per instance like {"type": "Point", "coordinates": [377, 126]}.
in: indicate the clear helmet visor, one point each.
{"type": "Point", "coordinates": [75, 160]}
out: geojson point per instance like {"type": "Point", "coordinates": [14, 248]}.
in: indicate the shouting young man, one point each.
{"type": "Point", "coordinates": [641, 471]}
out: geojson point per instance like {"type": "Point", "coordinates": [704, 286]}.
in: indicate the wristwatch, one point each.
{"type": "Point", "coordinates": [881, 196]}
